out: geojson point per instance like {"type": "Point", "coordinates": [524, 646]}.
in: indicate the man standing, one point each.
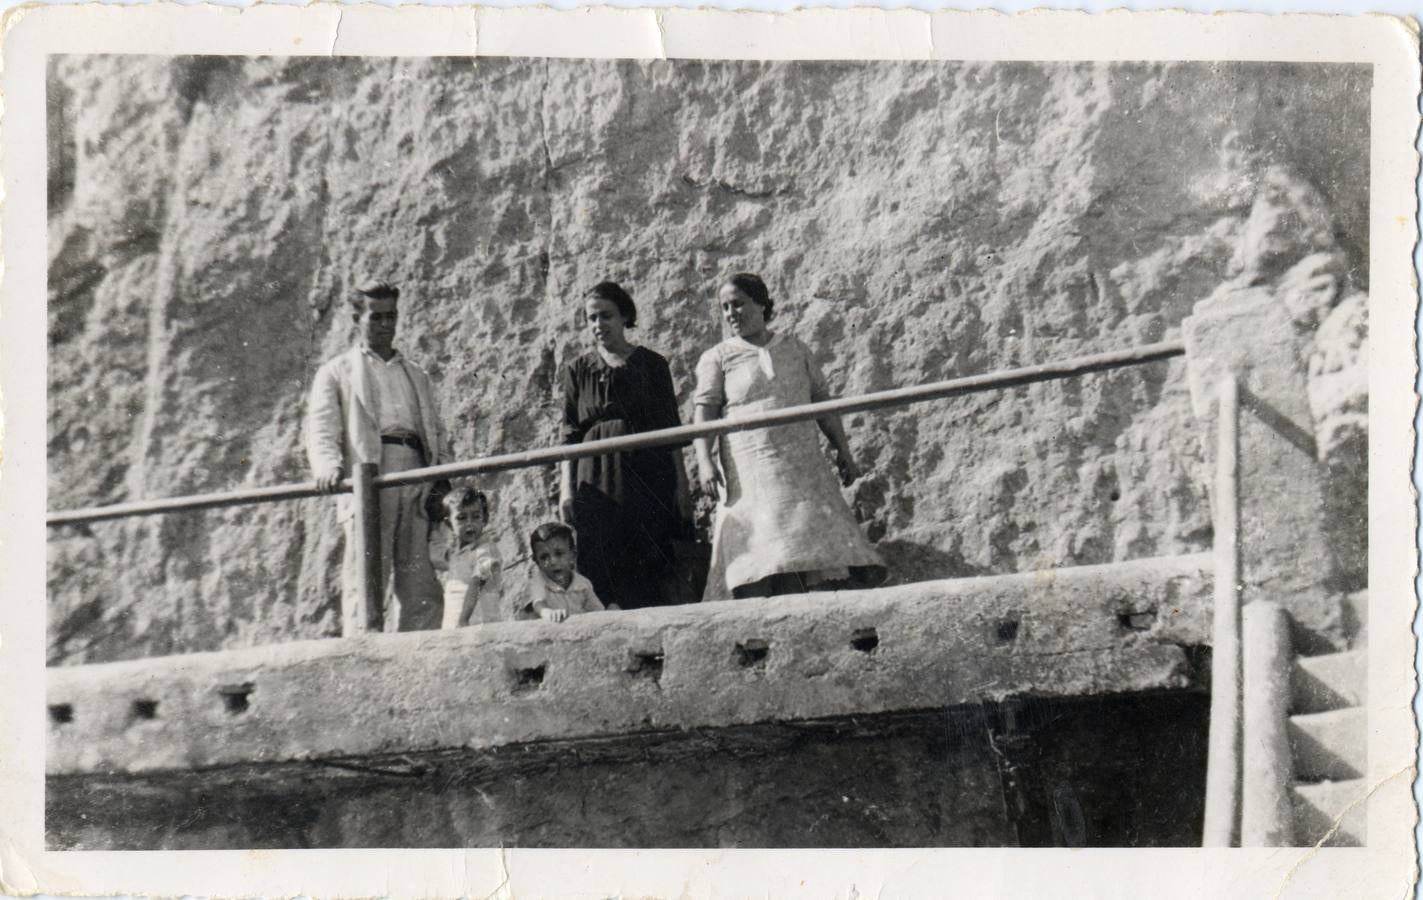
{"type": "Point", "coordinates": [372, 405]}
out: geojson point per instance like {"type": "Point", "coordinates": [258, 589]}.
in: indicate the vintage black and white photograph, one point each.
{"type": "Point", "coordinates": [530, 452]}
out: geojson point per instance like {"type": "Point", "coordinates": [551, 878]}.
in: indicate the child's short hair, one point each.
{"type": "Point", "coordinates": [550, 531]}
{"type": "Point", "coordinates": [463, 496]}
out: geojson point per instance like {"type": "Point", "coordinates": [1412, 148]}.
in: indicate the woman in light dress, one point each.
{"type": "Point", "coordinates": [782, 525]}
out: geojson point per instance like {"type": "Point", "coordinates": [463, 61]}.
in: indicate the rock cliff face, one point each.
{"type": "Point", "coordinates": [916, 222]}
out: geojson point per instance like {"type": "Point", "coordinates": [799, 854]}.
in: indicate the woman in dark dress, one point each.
{"type": "Point", "coordinates": [626, 507]}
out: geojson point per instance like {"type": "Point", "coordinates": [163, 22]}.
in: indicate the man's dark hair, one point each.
{"type": "Point", "coordinates": [551, 531]}
{"type": "Point", "coordinates": [377, 290]}
{"type": "Point", "coordinates": [614, 293]}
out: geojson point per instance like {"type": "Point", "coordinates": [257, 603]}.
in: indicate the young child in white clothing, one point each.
{"type": "Point", "coordinates": [556, 590]}
{"type": "Point", "coordinates": [466, 563]}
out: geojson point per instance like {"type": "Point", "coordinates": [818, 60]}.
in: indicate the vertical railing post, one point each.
{"type": "Point", "coordinates": [370, 612]}
{"type": "Point", "coordinates": [1266, 807]}
{"type": "Point", "coordinates": [1223, 764]}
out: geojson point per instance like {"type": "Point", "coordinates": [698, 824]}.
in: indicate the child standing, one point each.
{"type": "Point", "coordinates": [556, 590]}
{"type": "Point", "coordinates": [467, 565]}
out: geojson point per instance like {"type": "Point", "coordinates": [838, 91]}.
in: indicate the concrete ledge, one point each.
{"type": "Point", "coordinates": [1084, 631]}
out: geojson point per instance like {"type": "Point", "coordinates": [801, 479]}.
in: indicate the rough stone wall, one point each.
{"type": "Point", "coordinates": [916, 222]}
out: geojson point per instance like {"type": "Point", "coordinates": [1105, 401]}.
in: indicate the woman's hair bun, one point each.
{"type": "Point", "coordinates": [753, 287]}
{"type": "Point", "coordinates": [614, 294]}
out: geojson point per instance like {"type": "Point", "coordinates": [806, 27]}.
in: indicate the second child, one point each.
{"type": "Point", "coordinates": [556, 590]}
{"type": "Point", "coordinates": [466, 562]}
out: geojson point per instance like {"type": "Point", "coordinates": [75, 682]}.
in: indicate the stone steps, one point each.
{"type": "Point", "coordinates": [1330, 746]}
{"type": "Point", "coordinates": [1318, 807]}
{"type": "Point", "coordinates": [1328, 682]}
{"type": "Point", "coordinates": [1329, 738]}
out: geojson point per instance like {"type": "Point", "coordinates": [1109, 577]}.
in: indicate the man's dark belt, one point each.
{"type": "Point", "coordinates": [405, 440]}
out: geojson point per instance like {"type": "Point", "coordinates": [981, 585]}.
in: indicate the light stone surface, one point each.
{"type": "Point", "coordinates": [1285, 553]}
{"type": "Point", "coordinates": [916, 222]}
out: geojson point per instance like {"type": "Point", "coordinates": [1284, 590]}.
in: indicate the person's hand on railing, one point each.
{"type": "Point", "coordinates": [328, 480]}
{"type": "Point", "coordinates": [849, 469]}
{"type": "Point", "coordinates": [712, 479]}
{"type": "Point", "coordinates": [552, 615]}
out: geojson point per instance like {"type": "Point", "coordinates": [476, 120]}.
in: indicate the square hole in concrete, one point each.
{"type": "Point", "coordinates": [1140, 620]}
{"type": "Point", "coordinates": [752, 653]}
{"type": "Point", "coordinates": [61, 713]}
{"type": "Point", "coordinates": [646, 664]}
{"type": "Point", "coordinates": [144, 709]}
{"type": "Point", "coordinates": [865, 640]}
{"type": "Point", "coordinates": [235, 698]}
{"type": "Point", "coordinates": [1006, 631]}
{"type": "Point", "coordinates": [529, 679]}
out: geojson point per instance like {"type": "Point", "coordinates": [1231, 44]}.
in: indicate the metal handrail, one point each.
{"type": "Point", "coordinates": [1001, 380]}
